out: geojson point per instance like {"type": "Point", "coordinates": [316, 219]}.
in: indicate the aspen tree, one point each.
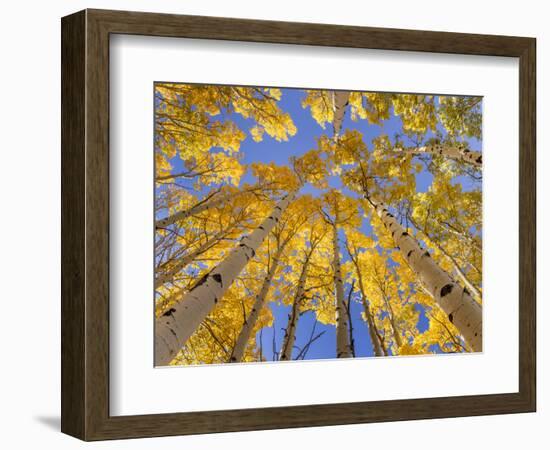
{"type": "Point", "coordinates": [175, 326]}
{"type": "Point", "coordinates": [457, 302]}
{"type": "Point", "coordinates": [373, 332]}
{"type": "Point", "coordinates": [292, 323]}
{"type": "Point", "coordinates": [315, 236]}
{"type": "Point", "coordinates": [337, 206]}
{"type": "Point", "coordinates": [457, 152]}
{"type": "Point", "coordinates": [340, 100]}
{"type": "Point", "coordinates": [212, 200]}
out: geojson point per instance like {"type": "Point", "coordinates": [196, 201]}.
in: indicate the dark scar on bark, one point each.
{"type": "Point", "coordinates": [445, 290]}
{"type": "Point", "coordinates": [478, 160]}
{"type": "Point", "coordinates": [451, 317]}
{"type": "Point", "coordinates": [409, 253]}
{"type": "Point", "coordinates": [201, 281]}
{"type": "Point", "coordinates": [215, 299]}
{"type": "Point", "coordinates": [261, 227]}
{"type": "Point", "coordinates": [169, 312]}
{"type": "Point", "coordinates": [251, 250]}
{"type": "Point", "coordinates": [404, 233]}
{"type": "Point", "coordinates": [426, 253]}
{"type": "Point", "coordinates": [218, 278]}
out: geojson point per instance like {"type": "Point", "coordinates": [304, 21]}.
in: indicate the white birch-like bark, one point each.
{"type": "Point", "coordinates": [460, 234]}
{"type": "Point", "coordinates": [373, 332]}
{"type": "Point", "coordinates": [203, 205]}
{"type": "Point", "coordinates": [343, 345]}
{"type": "Point", "coordinates": [196, 209]}
{"type": "Point", "coordinates": [259, 302]}
{"type": "Point", "coordinates": [469, 285]}
{"type": "Point", "coordinates": [340, 101]}
{"type": "Point", "coordinates": [179, 322]}
{"type": "Point", "coordinates": [290, 331]}
{"type": "Point", "coordinates": [458, 153]}
{"type": "Point", "coordinates": [391, 316]}
{"type": "Point", "coordinates": [457, 302]}
{"type": "Point", "coordinates": [182, 262]}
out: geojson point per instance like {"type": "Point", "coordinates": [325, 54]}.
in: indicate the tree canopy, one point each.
{"type": "Point", "coordinates": [300, 224]}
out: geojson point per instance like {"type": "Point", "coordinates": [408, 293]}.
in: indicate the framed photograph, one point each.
{"type": "Point", "coordinates": [272, 225]}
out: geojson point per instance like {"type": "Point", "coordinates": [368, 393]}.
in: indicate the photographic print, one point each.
{"type": "Point", "coordinates": [301, 224]}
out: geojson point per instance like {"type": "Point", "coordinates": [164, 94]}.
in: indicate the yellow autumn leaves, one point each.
{"type": "Point", "coordinates": [418, 113]}
{"type": "Point", "coordinates": [204, 126]}
{"type": "Point", "coordinates": [187, 125]}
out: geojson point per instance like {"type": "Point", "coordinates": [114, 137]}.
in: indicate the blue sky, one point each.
{"type": "Point", "coordinates": [269, 150]}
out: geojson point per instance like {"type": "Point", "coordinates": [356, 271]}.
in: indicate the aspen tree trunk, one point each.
{"type": "Point", "coordinates": [340, 99]}
{"type": "Point", "coordinates": [196, 209]}
{"type": "Point", "coordinates": [458, 153]}
{"type": "Point", "coordinates": [469, 285]}
{"type": "Point", "coordinates": [290, 331]}
{"type": "Point", "coordinates": [461, 309]}
{"type": "Point", "coordinates": [248, 326]}
{"type": "Point", "coordinates": [465, 237]}
{"type": "Point", "coordinates": [373, 332]}
{"type": "Point", "coordinates": [350, 322]}
{"type": "Point", "coordinates": [458, 270]}
{"type": "Point", "coordinates": [187, 259]}
{"type": "Point", "coordinates": [201, 206]}
{"type": "Point", "coordinates": [395, 330]}
{"type": "Point", "coordinates": [343, 346]}
{"type": "Point", "coordinates": [176, 325]}
{"type": "Point", "coordinates": [382, 343]}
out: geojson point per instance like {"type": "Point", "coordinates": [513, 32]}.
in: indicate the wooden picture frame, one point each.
{"type": "Point", "coordinates": [85, 224]}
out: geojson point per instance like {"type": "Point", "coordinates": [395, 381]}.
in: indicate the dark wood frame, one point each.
{"type": "Point", "coordinates": [85, 224]}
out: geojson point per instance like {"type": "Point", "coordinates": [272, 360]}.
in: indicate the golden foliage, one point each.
{"type": "Point", "coordinates": [199, 169]}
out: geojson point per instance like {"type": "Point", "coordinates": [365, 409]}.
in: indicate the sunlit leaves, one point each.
{"type": "Point", "coordinates": [311, 168]}
{"type": "Point", "coordinates": [461, 116]}
{"type": "Point", "coordinates": [417, 112]}
{"type": "Point", "coordinates": [282, 177]}
{"type": "Point", "coordinates": [202, 135]}
{"type": "Point", "coordinates": [222, 169]}
{"type": "Point", "coordinates": [261, 105]}
{"type": "Point", "coordinates": [321, 105]}
{"type": "Point", "coordinates": [374, 107]}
